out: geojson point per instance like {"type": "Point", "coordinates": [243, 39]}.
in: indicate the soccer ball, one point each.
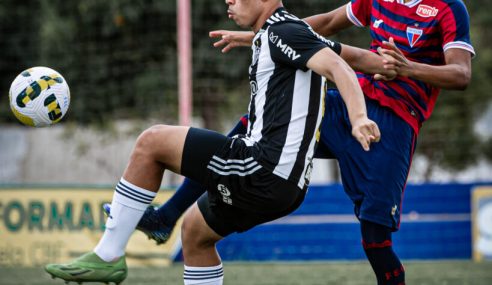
{"type": "Point", "coordinates": [39, 97]}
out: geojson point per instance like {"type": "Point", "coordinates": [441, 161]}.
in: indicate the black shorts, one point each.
{"type": "Point", "coordinates": [240, 192]}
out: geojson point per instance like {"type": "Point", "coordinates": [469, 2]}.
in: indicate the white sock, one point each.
{"type": "Point", "coordinates": [213, 275]}
{"type": "Point", "coordinates": [127, 208]}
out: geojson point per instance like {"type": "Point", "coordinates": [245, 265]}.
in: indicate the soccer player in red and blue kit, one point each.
{"type": "Point", "coordinates": [426, 31]}
{"type": "Point", "coordinates": [429, 42]}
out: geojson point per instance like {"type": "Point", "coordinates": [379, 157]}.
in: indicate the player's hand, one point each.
{"type": "Point", "coordinates": [391, 72]}
{"type": "Point", "coordinates": [231, 39]}
{"type": "Point", "coordinates": [394, 58]}
{"type": "Point", "coordinates": [366, 131]}
{"type": "Point", "coordinates": [390, 64]}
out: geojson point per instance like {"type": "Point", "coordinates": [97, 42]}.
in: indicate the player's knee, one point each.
{"type": "Point", "coordinates": [148, 139]}
{"type": "Point", "coordinates": [151, 135]}
{"type": "Point", "coordinates": [193, 237]}
{"type": "Point", "coordinates": [187, 231]}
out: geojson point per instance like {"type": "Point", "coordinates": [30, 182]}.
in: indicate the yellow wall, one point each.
{"type": "Point", "coordinates": [39, 226]}
{"type": "Point", "coordinates": [482, 223]}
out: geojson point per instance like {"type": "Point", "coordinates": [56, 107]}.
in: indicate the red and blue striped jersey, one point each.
{"type": "Point", "coordinates": [423, 30]}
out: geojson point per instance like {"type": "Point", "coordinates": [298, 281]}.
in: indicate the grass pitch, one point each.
{"type": "Point", "coordinates": [309, 273]}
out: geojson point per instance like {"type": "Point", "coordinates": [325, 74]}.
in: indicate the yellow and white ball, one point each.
{"type": "Point", "coordinates": [39, 97]}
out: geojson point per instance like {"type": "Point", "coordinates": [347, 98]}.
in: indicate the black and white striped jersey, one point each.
{"type": "Point", "coordinates": [286, 104]}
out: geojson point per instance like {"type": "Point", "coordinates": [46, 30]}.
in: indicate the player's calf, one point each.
{"type": "Point", "coordinates": [377, 244]}
{"type": "Point", "coordinates": [150, 224]}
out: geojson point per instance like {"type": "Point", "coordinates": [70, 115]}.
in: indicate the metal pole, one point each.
{"type": "Point", "coordinates": [185, 87]}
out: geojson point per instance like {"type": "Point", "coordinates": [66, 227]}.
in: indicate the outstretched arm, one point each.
{"type": "Point", "coordinates": [362, 60]}
{"type": "Point", "coordinates": [231, 39]}
{"type": "Point", "coordinates": [455, 74]}
{"type": "Point", "coordinates": [359, 59]}
{"type": "Point", "coordinates": [330, 23]}
{"type": "Point", "coordinates": [368, 62]}
{"type": "Point", "coordinates": [328, 64]}
{"type": "Point", "coordinates": [325, 24]}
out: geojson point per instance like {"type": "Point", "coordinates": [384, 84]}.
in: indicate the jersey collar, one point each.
{"type": "Point", "coordinates": [410, 4]}
{"type": "Point", "coordinates": [278, 15]}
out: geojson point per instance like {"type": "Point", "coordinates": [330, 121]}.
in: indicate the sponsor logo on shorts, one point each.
{"type": "Point", "coordinates": [224, 191]}
{"type": "Point", "coordinates": [393, 210]}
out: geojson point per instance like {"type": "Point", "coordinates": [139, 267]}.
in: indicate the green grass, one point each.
{"type": "Point", "coordinates": [354, 273]}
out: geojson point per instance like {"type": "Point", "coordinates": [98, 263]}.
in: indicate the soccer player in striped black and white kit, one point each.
{"type": "Point", "coordinates": [251, 179]}
{"type": "Point", "coordinates": [431, 50]}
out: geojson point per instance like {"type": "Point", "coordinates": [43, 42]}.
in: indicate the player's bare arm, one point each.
{"type": "Point", "coordinates": [368, 62]}
{"type": "Point", "coordinates": [455, 74]}
{"type": "Point", "coordinates": [328, 64]}
{"type": "Point", "coordinates": [330, 23]}
{"type": "Point", "coordinates": [359, 59]}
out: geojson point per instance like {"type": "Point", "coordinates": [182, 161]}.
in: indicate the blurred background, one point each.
{"type": "Point", "coordinates": [120, 60]}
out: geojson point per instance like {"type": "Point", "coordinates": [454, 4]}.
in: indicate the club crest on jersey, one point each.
{"type": "Point", "coordinates": [426, 11]}
{"type": "Point", "coordinates": [413, 35]}
{"type": "Point", "coordinates": [256, 51]}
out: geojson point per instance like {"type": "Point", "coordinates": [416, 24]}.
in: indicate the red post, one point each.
{"type": "Point", "coordinates": [185, 87]}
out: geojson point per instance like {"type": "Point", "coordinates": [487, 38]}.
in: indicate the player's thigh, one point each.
{"type": "Point", "coordinates": [336, 131]}
{"type": "Point", "coordinates": [174, 146]}
{"type": "Point", "coordinates": [199, 147]}
{"type": "Point", "coordinates": [375, 180]}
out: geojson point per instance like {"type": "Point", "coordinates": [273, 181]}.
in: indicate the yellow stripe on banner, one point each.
{"type": "Point", "coordinates": [40, 226]}
{"type": "Point", "coordinates": [482, 223]}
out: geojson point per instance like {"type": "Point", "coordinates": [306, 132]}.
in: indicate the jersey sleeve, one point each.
{"type": "Point", "coordinates": [359, 12]}
{"type": "Point", "coordinates": [455, 27]}
{"type": "Point", "coordinates": [293, 44]}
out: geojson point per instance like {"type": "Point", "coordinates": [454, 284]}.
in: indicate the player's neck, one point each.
{"type": "Point", "coordinates": [265, 15]}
